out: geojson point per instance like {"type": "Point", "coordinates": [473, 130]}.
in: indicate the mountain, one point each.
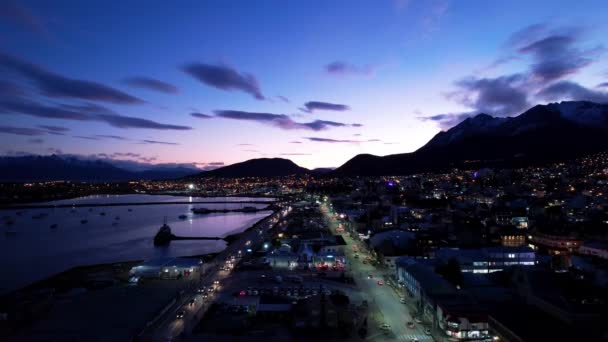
{"type": "Point", "coordinates": [544, 133]}
{"type": "Point", "coordinates": [49, 168]}
{"type": "Point", "coordinates": [262, 167]}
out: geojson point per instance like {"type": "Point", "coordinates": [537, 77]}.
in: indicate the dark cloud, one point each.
{"type": "Point", "coordinates": [602, 85]}
{"type": "Point", "coordinates": [54, 128]}
{"type": "Point", "coordinates": [505, 95]}
{"type": "Point", "coordinates": [556, 56]}
{"type": "Point", "coordinates": [225, 78]}
{"type": "Point", "coordinates": [526, 35]}
{"type": "Point", "coordinates": [152, 84]}
{"type": "Point", "coordinates": [55, 85]}
{"type": "Point", "coordinates": [36, 141]}
{"type": "Point", "coordinates": [215, 163]}
{"type": "Point", "coordinates": [158, 142]}
{"type": "Point", "coordinates": [339, 141]}
{"type": "Point", "coordinates": [356, 125]}
{"type": "Point", "coordinates": [21, 131]}
{"type": "Point", "coordinates": [201, 115]}
{"type": "Point", "coordinates": [85, 137]}
{"type": "Point", "coordinates": [40, 110]}
{"type": "Point", "coordinates": [341, 68]}
{"type": "Point", "coordinates": [22, 16]}
{"type": "Point", "coordinates": [283, 98]}
{"type": "Point", "coordinates": [54, 150]}
{"type": "Point", "coordinates": [311, 106]}
{"type": "Point", "coordinates": [567, 90]}
{"type": "Point", "coordinates": [448, 120]}
{"type": "Point", "coordinates": [115, 137]}
{"type": "Point", "coordinates": [8, 88]}
{"type": "Point", "coordinates": [133, 122]}
{"type": "Point", "coordinates": [278, 120]}
{"type": "Point", "coordinates": [295, 142]}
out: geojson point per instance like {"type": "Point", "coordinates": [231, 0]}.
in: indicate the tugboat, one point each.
{"type": "Point", "coordinates": [164, 235]}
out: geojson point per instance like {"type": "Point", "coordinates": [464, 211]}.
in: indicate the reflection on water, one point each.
{"type": "Point", "coordinates": [41, 242]}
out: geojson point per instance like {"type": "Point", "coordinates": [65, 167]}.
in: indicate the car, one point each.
{"type": "Point", "coordinates": [191, 302]}
{"type": "Point", "coordinates": [380, 282]}
{"type": "Point", "coordinates": [356, 256]}
{"type": "Point", "coordinates": [216, 282]}
{"type": "Point", "coordinates": [201, 290]}
{"type": "Point", "coordinates": [411, 325]}
{"type": "Point", "coordinates": [402, 300]}
{"type": "Point", "coordinates": [385, 326]}
{"type": "Point", "coordinates": [427, 331]}
{"type": "Point", "coordinates": [180, 314]}
{"type": "Point", "coordinates": [370, 276]}
{"type": "Point", "coordinates": [205, 295]}
{"type": "Point", "coordinates": [413, 339]}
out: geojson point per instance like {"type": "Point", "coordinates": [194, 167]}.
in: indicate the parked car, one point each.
{"type": "Point", "coordinates": [380, 282]}
{"type": "Point", "coordinates": [180, 314]}
{"type": "Point", "coordinates": [427, 331]}
{"type": "Point", "coordinates": [411, 325]}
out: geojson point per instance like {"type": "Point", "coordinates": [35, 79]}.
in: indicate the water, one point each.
{"type": "Point", "coordinates": [37, 251]}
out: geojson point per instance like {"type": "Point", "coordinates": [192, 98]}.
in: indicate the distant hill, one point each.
{"type": "Point", "coordinates": [262, 167]}
{"type": "Point", "coordinates": [544, 133]}
{"type": "Point", "coordinates": [49, 168]}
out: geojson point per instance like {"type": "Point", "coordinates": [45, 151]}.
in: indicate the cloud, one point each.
{"type": "Point", "coordinates": [341, 68]}
{"type": "Point", "coordinates": [22, 16]}
{"type": "Point", "coordinates": [84, 137]}
{"type": "Point", "coordinates": [295, 142]}
{"type": "Point", "coordinates": [21, 131]}
{"type": "Point", "coordinates": [201, 115]}
{"type": "Point", "coordinates": [448, 120]}
{"type": "Point", "coordinates": [254, 151]}
{"type": "Point", "coordinates": [339, 141]}
{"type": "Point", "coordinates": [115, 137]}
{"type": "Point", "coordinates": [556, 56]}
{"type": "Point", "coordinates": [602, 85]}
{"type": "Point", "coordinates": [283, 98]}
{"type": "Point", "coordinates": [245, 145]}
{"type": "Point", "coordinates": [225, 78]}
{"type": "Point", "coordinates": [391, 143]}
{"type": "Point", "coordinates": [54, 128]}
{"type": "Point", "coordinates": [54, 150]}
{"type": "Point", "coordinates": [504, 95]}
{"type": "Point", "coordinates": [36, 141]}
{"type": "Point", "coordinates": [10, 89]}
{"type": "Point", "coordinates": [311, 106]}
{"type": "Point", "coordinates": [158, 142]}
{"type": "Point", "coordinates": [567, 90]}
{"type": "Point", "coordinates": [278, 120]}
{"type": "Point", "coordinates": [151, 84]}
{"type": "Point", "coordinates": [55, 85]}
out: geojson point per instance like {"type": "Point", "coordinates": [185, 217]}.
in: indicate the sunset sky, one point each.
{"type": "Point", "coordinates": [212, 82]}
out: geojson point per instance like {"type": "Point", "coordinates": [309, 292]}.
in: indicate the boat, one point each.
{"type": "Point", "coordinates": [183, 217]}
{"type": "Point", "coordinates": [84, 221]}
{"type": "Point", "coordinates": [249, 209]}
{"type": "Point", "coordinates": [164, 235]}
{"type": "Point", "coordinates": [53, 226]}
{"type": "Point", "coordinates": [117, 218]}
{"type": "Point", "coordinates": [129, 209]}
{"type": "Point", "coordinates": [102, 213]}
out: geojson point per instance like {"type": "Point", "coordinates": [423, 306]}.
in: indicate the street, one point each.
{"type": "Point", "coordinates": [385, 304]}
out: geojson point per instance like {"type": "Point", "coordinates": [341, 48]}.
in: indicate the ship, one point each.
{"type": "Point", "coordinates": [164, 235]}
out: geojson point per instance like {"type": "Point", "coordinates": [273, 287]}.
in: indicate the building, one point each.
{"type": "Point", "coordinates": [595, 249]}
{"type": "Point", "coordinates": [436, 300]}
{"type": "Point", "coordinates": [488, 259]}
{"type": "Point", "coordinates": [555, 244]}
{"type": "Point", "coordinates": [167, 268]}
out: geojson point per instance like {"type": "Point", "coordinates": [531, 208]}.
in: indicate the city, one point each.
{"type": "Point", "coordinates": [304, 171]}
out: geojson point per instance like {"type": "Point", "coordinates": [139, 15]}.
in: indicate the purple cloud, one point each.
{"type": "Point", "coordinates": [283, 98]}
{"type": "Point", "coordinates": [54, 128]}
{"type": "Point", "coordinates": [20, 15]}
{"type": "Point", "coordinates": [311, 106]}
{"type": "Point", "coordinates": [35, 141]}
{"type": "Point", "coordinates": [21, 131]}
{"type": "Point", "coordinates": [115, 137]}
{"type": "Point", "coordinates": [201, 115]}
{"type": "Point", "coordinates": [339, 141]}
{"type": "Point", "coordinates": [278, 120]}
{"type": "Point", "coordinates": [55, 85]}
{"type": "Point", "coordinates": [448, 120]}
{"type": "Point", "coordinates": [567, 90]}
{"type": "Point", "coordinates": [84, 137]}
{"type": "Point", "coordinates": [225, 78]}
{"type": "Point", "coordinates": [602, 85]}
{"type": "Point", "coordinates": [295, 142]}
{"type": "Point", "coordinates": [158, 142]}
{"type": "Point", "coordinates": [341, 68]}
{"type": "Point", "coordinates": [151, 84]}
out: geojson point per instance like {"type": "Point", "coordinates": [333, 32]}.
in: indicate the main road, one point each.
{"type": "Point", "coordinates": [384, 304]}
{"type": "Point", "coordinates": [169, 326]}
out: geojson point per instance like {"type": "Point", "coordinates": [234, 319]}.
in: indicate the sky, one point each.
{"type": "Point", "coordinates": [212, 83]}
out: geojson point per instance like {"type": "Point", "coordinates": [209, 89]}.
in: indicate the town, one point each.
{"type": "Point", "coordinates": [471, 255]}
